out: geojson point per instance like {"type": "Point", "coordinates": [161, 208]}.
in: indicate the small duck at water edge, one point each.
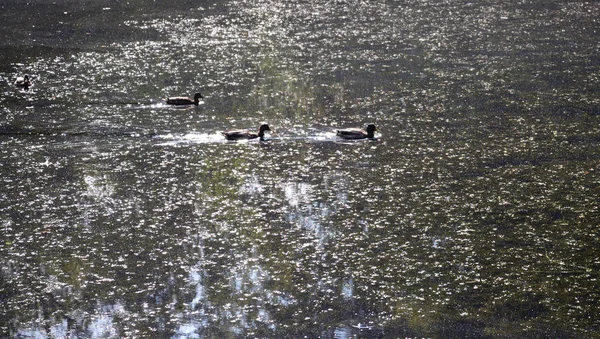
{"type": "Point", "coordinates": [181, 101]}
{"type": "Point", "coordinates": [23, 82]}
{"type": "Point", "coordinates": [357, 133]}
{"type": "Point", "coordinates": [244, 134]}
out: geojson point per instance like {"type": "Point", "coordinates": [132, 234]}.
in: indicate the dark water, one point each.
{"type": "Point", "coordinates": [475, 213]}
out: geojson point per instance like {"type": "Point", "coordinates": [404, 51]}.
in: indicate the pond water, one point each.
{"type": "Point", "coordinates": [474, 213]}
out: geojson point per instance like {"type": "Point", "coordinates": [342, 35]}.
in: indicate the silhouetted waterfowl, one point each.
{"type": "Point", "coordinates": [357, 133]}
{"type": "Point", "coordinates": [23, 82]}
{"type": "Point", "coordinates": [180, 101]}
{"type": "Point", "coordinates": [241, 134]}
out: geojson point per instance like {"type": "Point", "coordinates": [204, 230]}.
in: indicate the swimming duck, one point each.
{"type": "Point", "coordinates": [23, 82]}
{"type": "Point", "coordinates": [357, 133]}
{"type": "Point", "coordinates": [180, 101]}
{"type": "Point", "coordinates": [241, 134]}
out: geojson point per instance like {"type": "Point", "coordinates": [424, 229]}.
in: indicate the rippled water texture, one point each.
{"type": "Point", "coordinates": [473, 214]}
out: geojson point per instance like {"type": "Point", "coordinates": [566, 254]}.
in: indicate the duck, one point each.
{"type": "Point", "coordinates": [23, 82]}
{"type": "Point", "coordinates": [180, 101]}
{"type": "Point", "coordinates": [241, 134]}
{"type": "Point", "coordinates": [357, 133]}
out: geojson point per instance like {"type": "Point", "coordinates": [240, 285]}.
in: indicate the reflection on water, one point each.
{"type": "Point", "coordinates": [472, 214]}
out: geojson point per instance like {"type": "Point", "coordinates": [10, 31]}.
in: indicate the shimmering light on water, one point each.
{"type": "Point", "coordinates": [473, 214]}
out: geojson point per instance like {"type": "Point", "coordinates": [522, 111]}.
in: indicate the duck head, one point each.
{"type": "Point", "coordinates": [371, 130]}
{"type": "Point", "coordinates": [262, 129]}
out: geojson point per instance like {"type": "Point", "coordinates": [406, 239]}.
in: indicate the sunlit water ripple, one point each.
{"type": "Point", "coordinates": [474, 213]}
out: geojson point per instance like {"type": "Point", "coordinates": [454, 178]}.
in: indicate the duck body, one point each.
{"type": "Point", "coordinates": [244, 134]}
{"type": "Point", "coordinates": [181, 101]}
{"type": "Point", "coordinates": [23, 82]}
{"type": "Point", "coordinates": [357, 133]}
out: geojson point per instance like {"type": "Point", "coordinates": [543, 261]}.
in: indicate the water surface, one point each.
{"type": "Point", "coordinates": [473, 214]}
